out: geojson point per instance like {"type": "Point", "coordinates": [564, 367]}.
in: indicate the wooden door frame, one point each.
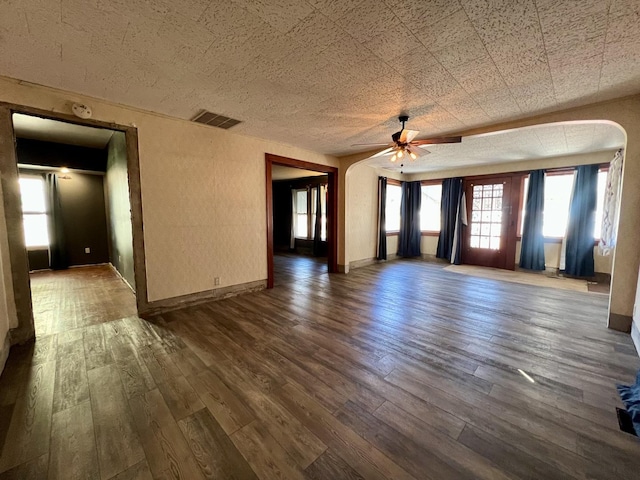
{"type": "Point", "coordinates": [21, 286]}
{"type": "Point", "coordinates": [332, 208]}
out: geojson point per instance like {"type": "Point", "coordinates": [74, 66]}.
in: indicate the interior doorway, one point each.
{"type": "Point", "coordinates": [77, 222]}
{"type": "Point", "coordinates": [72, 207]}
{"type": "Point", "coordinates": [301, 219]}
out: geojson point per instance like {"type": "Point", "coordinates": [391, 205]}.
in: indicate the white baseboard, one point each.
{"type": "Point", "coordinates": [121, 277]}
{"type": "Point", "coordinates": [635, 336]}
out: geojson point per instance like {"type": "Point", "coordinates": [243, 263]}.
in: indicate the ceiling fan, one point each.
{"type": "Point", "coordinates": [404, 144]}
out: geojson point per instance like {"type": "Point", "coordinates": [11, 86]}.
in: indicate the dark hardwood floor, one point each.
{"type": "Point", "coordinates": [78, 297]}
{"type": "Point", "coordinates": [289, 267]}
{"type": "Point", "coordinates": [395, 371]}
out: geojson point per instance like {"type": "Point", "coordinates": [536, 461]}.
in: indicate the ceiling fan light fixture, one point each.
{"type": "Point", "coordinates": [394, 158]}
{"type": "Point", "coordinates": [412, 155]}
{"type": "Point", "coordinates": [400, 153]}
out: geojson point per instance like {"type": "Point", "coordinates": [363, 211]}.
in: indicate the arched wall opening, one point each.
{"type": "Point", "coordinates": [624, 114]}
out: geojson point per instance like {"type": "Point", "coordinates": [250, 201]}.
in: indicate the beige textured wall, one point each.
{"type": "Point", "coordinates": [362, 212]}
{"type": "Point", "coordinates": [392, 244]}
{"type": "Point", "coordinates": [8, 315]}
{"type": "Point", "coordinates": [203, 193]}
{"type": "Point", "coordinates": [428, 245]}
{"type": "Point", "coordinates": [362, 221]}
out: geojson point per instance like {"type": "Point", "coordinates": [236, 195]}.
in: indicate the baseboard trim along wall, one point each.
{"type": "Point", "coordinates": [635, 336]}
{"type": "Point", "coordinates": [4, 352]}
{"type": "Point", "coordinates": [121, 277]}
{"type": "Point", "coordinates": [159, 307]}
{"type": "Point", "coordinates": [622, 323]}
{"type": "Point", "coordinates": [365, 262]}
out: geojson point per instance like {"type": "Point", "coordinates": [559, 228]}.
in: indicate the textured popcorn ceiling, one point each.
{"type": "Point", "coordinates": [521, 144]}
{"type": "Point", "coordinates": [324, 74]}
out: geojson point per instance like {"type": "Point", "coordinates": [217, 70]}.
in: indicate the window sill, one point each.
{"type": "Point", "coordinates": [41, 247]}
{"type": "Point", "coordinates": [559, 240]}
{"type": "Point", "coordinates": [429, 233]}
{"type": "Point", "coordinates": [392, 234]}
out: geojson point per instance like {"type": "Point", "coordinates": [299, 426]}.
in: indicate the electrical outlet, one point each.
{"type": "Point", "coordinates": [216, 281]}
{"type": "Point", "coordinates": [87, 250]}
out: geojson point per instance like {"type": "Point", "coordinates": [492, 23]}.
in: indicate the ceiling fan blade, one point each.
{"type": "Point", "coordinates": [436, 140]}
{"type": "Point", "coordinates": [407, 135]}
{"type": "Point", "coordinates": [386, 151]}
{"type": "Point", "coordinates": [418, 151]}
{"type": "Point", "coordinates": [371, 144]}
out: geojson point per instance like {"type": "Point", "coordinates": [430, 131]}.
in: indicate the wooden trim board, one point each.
{"type": "Point", "coordinates": [13, 214]}
{"type": "Point", "coordinates": [332, 208]}
{"type": "Point", "coordinates": [159, 307]}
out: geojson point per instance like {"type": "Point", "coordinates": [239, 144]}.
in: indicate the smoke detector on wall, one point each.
{"type": "Point", "coordinates": [81, 111]}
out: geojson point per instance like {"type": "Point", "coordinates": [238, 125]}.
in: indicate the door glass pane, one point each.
{"type": "Point", "coordinates": [486, 216]}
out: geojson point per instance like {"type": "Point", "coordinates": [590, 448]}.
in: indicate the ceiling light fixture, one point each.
{"type": "Point", "coordinates": [64, 170]}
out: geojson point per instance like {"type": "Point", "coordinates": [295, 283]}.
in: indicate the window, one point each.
{"type": "Point", "coordinates": [305, 221]}
{"type": "Point", "coordinates": [34, 211]}
{"type": "Point", "coordinates": [557, 198]}
{"type": "Point", "coordinates": [302, 218]}
{"type": "Point", "coordinates": [430, 208]}
{"type": "Point", "coordinates": [392, 208]}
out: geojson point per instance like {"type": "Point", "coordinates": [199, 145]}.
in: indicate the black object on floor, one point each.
{"type": "Point", "coordinates": [625, 422]}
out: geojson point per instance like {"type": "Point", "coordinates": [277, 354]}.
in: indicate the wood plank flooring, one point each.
{"type": "Point", "coordinates": [64, 300]}
{"type": "Point", "coordinates": [396, 371]}
{"type": "Point", "coordinates": [292, 267]}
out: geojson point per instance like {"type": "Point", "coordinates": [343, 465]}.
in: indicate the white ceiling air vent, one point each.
{"type": "Point", "coordinates": [215, 120]}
